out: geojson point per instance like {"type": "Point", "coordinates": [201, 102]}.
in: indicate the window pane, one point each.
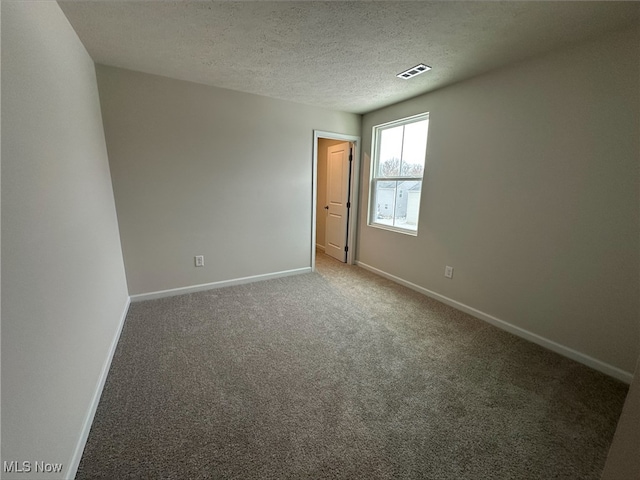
{"type": "Point", "coordinates": [414, 148]}
{"type": "Point", "coordinates": [397, 203]}
{"type": "Point", "coordinates": [407, 204]}
{"type": "Point", "coordinates": [390, 152]}
{"type": "Point", "coordinates": [385, 195]}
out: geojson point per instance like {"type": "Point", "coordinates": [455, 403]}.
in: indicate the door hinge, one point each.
{"type": "Point", "coordinates": [346, 249]}
{"type": "Point", "coordinates": [348, 204]}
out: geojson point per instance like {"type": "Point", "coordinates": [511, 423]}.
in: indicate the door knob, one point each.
{"type": "Point", "coordinates": [326, 207]}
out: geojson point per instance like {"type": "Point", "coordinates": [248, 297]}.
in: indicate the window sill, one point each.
{"type": "Point", "coordinates": [405, 231]}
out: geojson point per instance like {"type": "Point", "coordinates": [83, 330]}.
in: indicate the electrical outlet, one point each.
{"type": "Point", "coordinates": [199, 260]}
{"type": "Point", "coordinates": [448, 271]}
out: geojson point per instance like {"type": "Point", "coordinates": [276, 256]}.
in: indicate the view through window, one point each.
{"type": "Point", "coordinates": [399, 151]}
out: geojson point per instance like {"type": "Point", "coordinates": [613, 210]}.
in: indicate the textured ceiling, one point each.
{"type": "Point", "coordinates": [340, 55]}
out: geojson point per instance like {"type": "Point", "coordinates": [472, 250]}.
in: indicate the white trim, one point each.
{"type": "Point", "coordinates": [319, 247]}
{"type": "Point", "coordinates": [74, 463]}
{"type": "Point", "coordinates": [355, 192]}
{"type": "Point", "coordinates": [391, 228]}
{"type": "Point", "coordinates": [594, 363]}
{"type": "Point", "coordinates": [223, 283]}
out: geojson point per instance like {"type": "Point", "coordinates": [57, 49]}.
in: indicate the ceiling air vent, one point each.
{"type": "Point", "coordinates": [413, 71]}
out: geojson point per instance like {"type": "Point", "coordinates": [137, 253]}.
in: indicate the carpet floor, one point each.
{"type": "Point", "coordinates": [340, 374]}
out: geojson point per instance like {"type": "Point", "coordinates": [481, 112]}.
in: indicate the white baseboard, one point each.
{"type": "Point", "coordinates": [224, 283]}
{"type": "Point", "coordinates": [319, 247]}
{"type": "Point", "coordinates": [93, 406]}
{"type": "Point", "coordinates": [594, 363]}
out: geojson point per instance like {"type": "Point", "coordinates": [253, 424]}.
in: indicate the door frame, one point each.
{"type": "Point", "coordinates": [355, 193]}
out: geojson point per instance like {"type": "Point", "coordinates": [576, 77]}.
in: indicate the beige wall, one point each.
{"type": "Point", "coordinates": [623, 461]}
{"type": "Point", "coordinates": [200, 170]}
{"type": "Point", "coordinates": [531, 194]}
{"type": "Point", "coordinates": [321, 212]}
{"type": "Point", "coordinates": [63, 282]}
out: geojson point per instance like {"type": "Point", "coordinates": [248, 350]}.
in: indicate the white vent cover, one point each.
{"type": "Point", "coordinates": [413, 71]}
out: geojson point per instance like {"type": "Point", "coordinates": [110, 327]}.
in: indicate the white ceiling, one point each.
{"type": "Point", "coordinates": [340, 55]}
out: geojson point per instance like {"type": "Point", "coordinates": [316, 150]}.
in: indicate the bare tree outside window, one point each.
{"type": "Point", "coordinates": [393, 168]}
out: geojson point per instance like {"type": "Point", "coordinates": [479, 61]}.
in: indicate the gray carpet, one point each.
{"type": "Point", "coordinates": [340, 374]}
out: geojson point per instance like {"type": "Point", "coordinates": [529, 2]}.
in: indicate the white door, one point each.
{"type": "Point", "coordinates": [338, 169]}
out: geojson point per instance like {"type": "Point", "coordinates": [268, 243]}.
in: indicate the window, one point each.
{"type": "Point", "coordinates": [399, 152]}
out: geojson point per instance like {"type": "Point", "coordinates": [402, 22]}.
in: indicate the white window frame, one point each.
{"type": "Point", "coordinates": [376, 138]}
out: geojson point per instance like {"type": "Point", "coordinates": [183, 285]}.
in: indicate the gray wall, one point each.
{"type": "Point", "coordinates": [531, 194]}
{"type": "Point", "coordinates": [179, 151]}
{"type": "Point", "coordinates": [63, 282]}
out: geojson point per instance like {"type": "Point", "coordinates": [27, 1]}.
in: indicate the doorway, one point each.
{"type": "Point", "coordinates": [336, 169]}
